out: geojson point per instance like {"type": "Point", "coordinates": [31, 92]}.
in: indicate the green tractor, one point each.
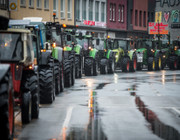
{"type": "Point", "coordinates": [174, 55]}
{"type": "Point", "coordinates": [77, 48]}
{"type": "Point", "coordinates": [125, 54]}
{"type": "Point", "coordinates": [90, 54]}
{"type": "Point", "coordinates": [107, 58]}
{"type": "Point", "coordinates": [145, 51]}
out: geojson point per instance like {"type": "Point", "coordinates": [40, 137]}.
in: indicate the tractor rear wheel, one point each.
{"type": "Point", "coordinates": [26, 107]}
{"type": "Point", "coordinates": [95, 68]}
{"type": "Point", "coordinates": [47, 90]}
{"type": "Point", "coordinates": [67, 73]}
{"type": "Point", "coordinates": [6, 107]}
{"type": "Point", "coordinates": [178, 62]}
{"type": "Point", "coordinates": [125, 64]}
{"type": "Point", "coordinates": [111, 66]}
{"type": "Point", "coordinates": [158, 61]}
{"type": "Point", "coordinates": [33, 86]}
{"type": "Point", "coordinates": [173, 62]}
{"type": "Point", "coordinates": [57, 77]}
{"type": "Point", "coordinates": [61, 79]}
{"type": "Point", "coordinates": [77, 67]}
{"type": "Point", "coordinates": [88, 66]}
{"type": "Point", "coordinates": [133, 63]}
{"type": "Point", "coordinates": [103, 69]}
{"type": "Point", "coordinates": [151, 64]}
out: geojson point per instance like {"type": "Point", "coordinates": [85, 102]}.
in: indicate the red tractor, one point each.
{"type": "Point", "coordinates": [18, 77]}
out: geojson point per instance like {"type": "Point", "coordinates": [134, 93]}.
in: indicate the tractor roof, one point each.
{"type": "Point", "coordinates": [11, 30]}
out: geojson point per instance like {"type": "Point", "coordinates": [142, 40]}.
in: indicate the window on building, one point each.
{"type": "Point", "coordinates": [69, 9]}
{"type": "Point", "coordinates": [114, 12]}
{"type": "Point", "coordinates": [131, 22]}
{"type": "Point", "coordinates": [84, 9]}
{"type": "Point", "coordinates": [23, 3]}
{"type": "Point", "coordinates": [136, 17]}
{"type": "Point", "coordinates": [39, 4]}
{"type": "Point", "coordinates": [144, 19]}
{"type": "Point", "coordinates": [91, 10]}
{"type": "Point", "coordinates": [31, 3]}
{"type": "Point", "coordinates": [97, 11]}
{"type": "Point", "coordinates": [4, 4]}
{"type": "Point", "coordinates": [152, 16]}
{"type": "Point", "coordinates": [140, 18]}
{"type": "Point", "coordinates": [77, 9]}
{"type": "Point", "coordinates": [55, 7]}
{"type": "Point", "coordinates": [119, 13]}
{"type": "Point", "coordinates": [63, 9]}
{"type": "Point", "coordinates": [122, 13]}
{"type": "Point", "coordinates": [111, 12]}
{"type": "Point", "coordinates": [46, 4]}
{"type": "Point", "coordinates": [102, 11]}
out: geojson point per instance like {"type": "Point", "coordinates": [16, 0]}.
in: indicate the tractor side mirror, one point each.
{"type": "Point", "coordinates": [97, 41]}
{"type": "Point", "coordinates": [80, 36]}
{"type": "Point", "coordinates": [69, 38]}
{"type": "Point", "coordinates": [48, 35]}
{"type": "Point", "coordinates": [73, 32]}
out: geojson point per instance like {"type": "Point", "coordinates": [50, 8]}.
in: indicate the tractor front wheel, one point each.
{"type": "Point", "coordinates": [172, 62]}
{"type": "Point", "coordinates": [151, 64]}
{"type": "Point", "coordinates": [67, 73]}
{"type": "Point", "coordinates": [125, 64]}
{"type": "Point", "coordinates": [88, 66]}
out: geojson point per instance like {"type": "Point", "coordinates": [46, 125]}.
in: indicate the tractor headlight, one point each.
{"type": "Point", "coordinates": [152, 50]}
{"type": "Point", "coordinates": [116, 56]}
{"type": "Point", "coordinates": [164, 56]}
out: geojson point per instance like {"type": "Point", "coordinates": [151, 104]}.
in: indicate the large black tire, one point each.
{"type": "Point", "coordinates": [77, 61]}
{"type": "Point", "coordinates": [46, 82]}
{"type": "Point", "coordinates": [173, 62]}
{"type": "Point", "coordinates": [6, 108]}
{"type": "Point", "coordinates": [95, 67]}
{"type": "Point", "coordinates": [151, 64]}
{"type": "Point", "coordinates": [133, 63]}
{"type": "Point", "coordinates": [158, 61]}
{"type": "Point", "coordinates": [26, 107]}
{"type": "Point", "coordinates": [178, 62]}
{"type": "Point", "coordinates": [57, 77]}
{"type": "Point", "coordinates": [111, 68]}
{"type": "Point", "coordinates": [103, 69]}
{"type": "Point", "coordinates": [125, 64]}
{"type": "Point", "coordinates": [61, 79]}
{"type": "Point", "coordinates": [34, 88]}
{"type": "Point", "coordinates": [72, 59]}
{"type": "Point", "coordinates": [139, 66]}
{"type": "Point", "coordinates": [67, 73]}
{"type": "Point", "coordinates": [88, 67]}
{"type": "Point", "coordinates": [80, 67]}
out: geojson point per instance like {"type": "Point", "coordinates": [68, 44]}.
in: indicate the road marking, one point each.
{"type": "Point", "coordinates": [176, 110]}
{"type": "Point", "coordinates": [66, 123]}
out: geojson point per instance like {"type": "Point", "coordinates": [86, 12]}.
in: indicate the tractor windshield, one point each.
{"type": "Point", "coordinates": [56, 37]}
{"type": "Point", "coordinates": [122, 44]}
{"type": "Point", "coordinates": [11, 47]}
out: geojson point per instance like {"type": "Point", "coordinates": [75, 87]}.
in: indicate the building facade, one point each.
{"type": "Point", "coordinates": [4, 8]}
{"type": "Point", "coordinates": [137, 19]}
{"type": "Point", "coordinates": [91, 16]}
{"type": "Point", "coordinates": [64, 10]}
{"type": "Point", "coordinates": [169, 13]}
{"type": "Point", "coordinates": [117, 18]}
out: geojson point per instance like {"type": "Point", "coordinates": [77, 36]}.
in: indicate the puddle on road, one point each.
{"type": "Point", "coordinates": [100, 86]}
{"type": "Point", "coordinates": [94, 129]}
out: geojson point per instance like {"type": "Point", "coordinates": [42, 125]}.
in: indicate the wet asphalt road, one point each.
{"type": "Point", "coordinates": [121, 106]}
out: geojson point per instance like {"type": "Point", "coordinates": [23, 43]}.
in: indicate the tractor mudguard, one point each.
{"type": "Point", "coordinates": [57, 53]}
{"type": "Point", "coordinates": [45, 56]}
{"type": "Point", "coordinates": [130, 54]}
{"type": "Point", "coordinates": [93, 53]}
{"type": "Point", "coordinates": [156, 52]}
{"type": "Point", "coordinates": [77, 49]}
{"type": "Point", "coordinates": [3, 70]}
{"type": "Point", "coordinates": [103, 62]}
{"type": "Point", "coordinates": [67, 48]}
{"type": "Point", "coordinates": [110, 54]}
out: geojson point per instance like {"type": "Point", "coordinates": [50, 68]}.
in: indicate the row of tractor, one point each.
{"type": "Point", "coordinates": [38, 60]}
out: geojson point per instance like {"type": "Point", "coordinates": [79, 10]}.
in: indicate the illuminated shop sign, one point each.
{"type": "Point", "coordinates": [94, 23]}
{"type": "Point", "coordinates": [158, 28]}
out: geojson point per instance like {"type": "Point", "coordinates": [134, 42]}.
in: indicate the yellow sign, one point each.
{"type": "Point", "coordinates": [12, 5]}
{"type": "Point", "coordinates": [158, 17]}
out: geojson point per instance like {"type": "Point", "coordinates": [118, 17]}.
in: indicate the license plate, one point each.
{"type": "Point", "coordinates": [140, 58]}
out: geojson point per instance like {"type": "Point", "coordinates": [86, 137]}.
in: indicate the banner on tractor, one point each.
{"type": "Point", "coordinates": [158, 28]}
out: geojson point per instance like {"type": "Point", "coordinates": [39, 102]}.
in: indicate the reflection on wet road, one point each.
{"type": "Point", "coordinates": [141, 105]}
